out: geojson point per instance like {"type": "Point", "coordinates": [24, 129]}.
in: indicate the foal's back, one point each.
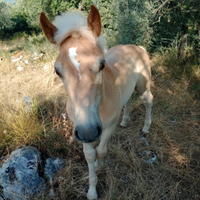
{"type": "Point", "coordinates": [131, 66]}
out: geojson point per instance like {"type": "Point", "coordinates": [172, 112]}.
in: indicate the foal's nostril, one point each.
{"type": "Point", "coordinates": [77, 135]}
{"type": "Point", "coordinates": [99, 130]}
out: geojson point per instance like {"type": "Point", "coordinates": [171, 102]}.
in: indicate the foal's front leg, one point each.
{"type": "Point", "coordinates": [101, 150]}
{"type": "Point", "coordinates": [90, 156]}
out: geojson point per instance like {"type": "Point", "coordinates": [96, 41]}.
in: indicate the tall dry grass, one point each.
{"type": "Point", "coordinates": [174, 134]}
{"type": "Point", "coordinates": [38, 81]}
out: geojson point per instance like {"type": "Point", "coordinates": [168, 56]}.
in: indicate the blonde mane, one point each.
{"type": "Point", "coordinates": [75, 24]}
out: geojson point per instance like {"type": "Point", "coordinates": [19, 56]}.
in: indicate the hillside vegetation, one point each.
{"type": "Point", "coordinates": [33, 100]}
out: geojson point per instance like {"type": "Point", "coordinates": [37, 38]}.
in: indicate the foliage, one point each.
{"type": "Point", "coordinates": [133, 23]}
{"type": "Point", "coordinates": [108, 11]}
{"type": "Point", "coordinates": [5, 16]}
{"type": "Point", "coordinates": [153, 24]}
{"type": "Point", "coordinates": [36, 39]}
{"type": "Point", "coordinates": [32, 9]}
{"type": "Point", "coordinates": [56, 7]}
{"type": "Point", "coordinates": [173, 20]}
{"type": "Point", "coordinates": [23, 16]}
{"type": "Point", "coordinates": [18, 21]}
{"type": "Point", "coordinates": [125, 21]}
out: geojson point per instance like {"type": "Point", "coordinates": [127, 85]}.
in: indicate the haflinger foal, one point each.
{"type": "Point", "coordinates": [98, 83]}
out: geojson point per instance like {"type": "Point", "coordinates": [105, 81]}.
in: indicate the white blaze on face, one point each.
{"type": "Point", "coordinates": [72, 55]}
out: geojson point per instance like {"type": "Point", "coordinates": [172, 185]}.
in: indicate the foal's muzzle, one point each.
{"type": "Point", "coordinates": [88, 133]}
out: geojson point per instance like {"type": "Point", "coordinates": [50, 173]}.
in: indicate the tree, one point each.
{"type": "Point", "coordinates": [173, 20]}
{"type": "Point", "coordinates": [133, 22]}
{"type": "Point", "coordinates": [5, 15]}
{"type": "Point", "coordinates": [31, 9]}
{"type": "Point", "coordinates": [125, 21]}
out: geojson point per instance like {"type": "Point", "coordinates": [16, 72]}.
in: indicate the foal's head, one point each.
{"type": "Point", "coordinates": [80, 66]}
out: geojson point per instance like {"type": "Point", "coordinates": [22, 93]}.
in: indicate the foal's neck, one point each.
{"type": "Point", "coordinates": [110, 97]}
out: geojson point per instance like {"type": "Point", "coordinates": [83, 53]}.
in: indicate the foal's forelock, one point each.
{"type": "Point", "coordinates": [74, 24]}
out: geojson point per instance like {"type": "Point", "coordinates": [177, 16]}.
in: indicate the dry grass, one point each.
{"type": "Point", "coordinates": [174, 137]}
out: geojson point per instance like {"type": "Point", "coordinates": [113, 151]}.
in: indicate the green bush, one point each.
{"type": "Point", "coordinates": [125, 22]}
{"type": "Point", "coordinates": [5, 17]}
{"type": "Point", "coordinates": [37, 39]}
{"type": "Point", "coordinates": [31, 9]}
{"type": "Point", "coordinates": [133, 23]}
{"type": "Point", "coordinates": [174, 20]}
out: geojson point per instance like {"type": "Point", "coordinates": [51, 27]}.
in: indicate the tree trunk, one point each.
{"type": "Point", "coordinates": [183, 46]}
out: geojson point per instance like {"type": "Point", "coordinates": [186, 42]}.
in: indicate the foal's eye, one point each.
{"type": "Point", "coordinates": [102, 65]}
{"type": "Point", "coordinates": [57, 72]}
{"type": "Point", "coordinates": [58, 68]}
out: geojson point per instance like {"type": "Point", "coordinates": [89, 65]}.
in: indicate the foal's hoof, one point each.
{"type": "Point", "coordinates": [91, 195]}
{"type": "Point", "coordinates": [123, 124]}
{"type": "Point", "coordinates": [145, 129]}
{"type": "Point", "coordinates": [98, 164]}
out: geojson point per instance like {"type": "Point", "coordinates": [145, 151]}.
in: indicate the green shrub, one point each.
{"type": "Point", "coordinates": [5, 17]}
{"type": "Point", "coordinates": [37, 39]}
{"type": "Point", "coordinates": [133, 23]}
{"type": "Point", "coordinates": [125, 22]}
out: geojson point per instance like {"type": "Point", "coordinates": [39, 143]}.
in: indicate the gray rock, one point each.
{"type": "Point", "coordinates": [53, 166]}
{"type": "Point", "coordinates": [19, 174]}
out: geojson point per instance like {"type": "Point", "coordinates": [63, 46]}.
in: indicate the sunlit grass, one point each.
{"type": "Point", "coordinates": [20, 125]}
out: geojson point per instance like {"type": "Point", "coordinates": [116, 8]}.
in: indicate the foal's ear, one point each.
{"type": "Point", "coordinates": [48, 28]}
{"type": "Point", "coordinates": [94, 21]}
